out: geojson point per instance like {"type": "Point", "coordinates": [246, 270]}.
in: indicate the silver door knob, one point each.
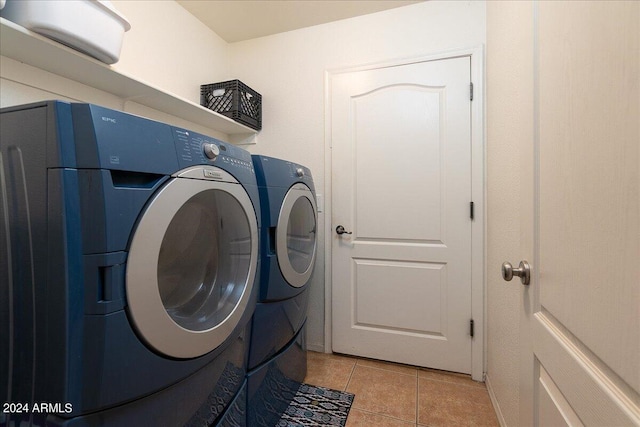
{"type": "Point", "coordinates": [523, 272]}
{"type": "Point", "coordinates": [340, 230]}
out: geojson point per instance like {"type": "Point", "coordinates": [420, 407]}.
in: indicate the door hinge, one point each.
{"type": "Point", "coordinates": [471, 331]}
{"type": "Point", "coordinates": [471, 210]}
{"type": "Point", "coordinates": [471, 91]}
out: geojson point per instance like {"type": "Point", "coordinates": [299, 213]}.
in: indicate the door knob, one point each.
{"type": "Point", "coordinates": [340, 230]}
{"type": "Point", "coordinates": [523, 272]}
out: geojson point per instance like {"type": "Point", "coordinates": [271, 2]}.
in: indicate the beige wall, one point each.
{"type": "Point", "coordinates": [169, 48]}
{"type": "Point", "coordinates": [509, 122]}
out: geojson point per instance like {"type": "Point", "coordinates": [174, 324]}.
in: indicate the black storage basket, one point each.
{"type": "Point", "coordinates": [235, 100]}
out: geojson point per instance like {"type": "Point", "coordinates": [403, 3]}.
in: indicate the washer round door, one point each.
{"type": "Point", "coordinates": [192, 264]}
{"type": "Point", "coordinates": [296, 235]}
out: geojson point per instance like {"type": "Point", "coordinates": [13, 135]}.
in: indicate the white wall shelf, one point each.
{"type": "Point", "coordinates": [30, 48]}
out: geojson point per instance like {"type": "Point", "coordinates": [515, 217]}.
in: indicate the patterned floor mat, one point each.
{"type": "Point", "coordinates": [317, 406]}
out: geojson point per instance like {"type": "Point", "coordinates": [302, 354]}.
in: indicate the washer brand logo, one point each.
{"type": "Point", "coordinates": [108, 119]}
{"type": "Point", "coordinates": [212, 174]}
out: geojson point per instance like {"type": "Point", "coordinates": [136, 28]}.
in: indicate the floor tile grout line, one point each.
{"type": "Point", "coordinates": [353, 368]}
{"type": "Point", "coordinates": [415, 368]}
{"type": "Point", "coordinates": [388, 370]}
{"type": "Point", "coordinates": [380, 414]}
{"type": "Point", "coordinates": [418, 369]}
{"type": "Point", "coordinates": [480, 384]}
{"type": "Point", "coordinates": [417, 398]}
{"type": "Point", "coordinates": [483, 387]}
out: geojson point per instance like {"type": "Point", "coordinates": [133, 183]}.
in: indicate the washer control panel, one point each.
{"type": "Point", "coordinates": [197, 149]}
{"type": "Point", "coordinates": [299, 172]}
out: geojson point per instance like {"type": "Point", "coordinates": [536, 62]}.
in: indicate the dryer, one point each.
{"type": "Point", "coordinates": [288, 247]}
{"type": "Point", "coordinates": [290, 218]}
{"type": "Point", "coordinates": [277, 359]}
{"type": "Point", "coordinates": [130, 273]}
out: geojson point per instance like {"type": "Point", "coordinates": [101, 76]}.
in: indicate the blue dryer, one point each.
{"type": "Point", "coordinates": [290, 218]}
{"type": "Point", "coordinates": [129, 269]}
{"type": "Point", "coordinates": [288, 251]}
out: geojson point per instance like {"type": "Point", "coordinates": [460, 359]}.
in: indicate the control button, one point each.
{"type": "Point", "coordinates": [300, 172]}
{"type": "Point", "coordinates": [211, 151]}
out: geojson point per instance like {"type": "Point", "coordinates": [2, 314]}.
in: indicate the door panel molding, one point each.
{"type": "Point", "coordinates": [422, 88]}
{"type": "Point", "coordinates": [590, 391]}
{"type": "Point", "coordinates": [554, 408]}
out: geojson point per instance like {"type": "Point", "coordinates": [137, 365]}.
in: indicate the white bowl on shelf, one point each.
{"type": "Point", "coordinates": [93, 27]}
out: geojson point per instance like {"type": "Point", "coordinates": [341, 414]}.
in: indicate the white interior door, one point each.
{"type": "Point", "coordinates": [581, 364]}
{"type": "Point", "coordinates": [401, 170]}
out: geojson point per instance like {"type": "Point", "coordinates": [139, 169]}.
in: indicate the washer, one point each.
{"type": "Point", "coordinates": [288, 252]}
{"type": "Point", "coordinates": [131, 270]}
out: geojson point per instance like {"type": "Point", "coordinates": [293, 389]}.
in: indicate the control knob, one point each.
{"type": "Point", "coordinates": [211, 151]}
{"type": "Point", "coordinates": [299, 172]}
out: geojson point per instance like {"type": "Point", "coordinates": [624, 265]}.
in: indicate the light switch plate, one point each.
{"type": "Point", "coordinates": [320, 202]}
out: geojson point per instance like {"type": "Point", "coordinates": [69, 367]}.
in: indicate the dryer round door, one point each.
{"type": "Point", "coordinates": [192, 264]}
{"type": "Point", "coordinates": [296, 235]}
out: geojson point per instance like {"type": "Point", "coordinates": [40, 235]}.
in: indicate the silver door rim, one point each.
{"type": "Point", "coordinates": [146, 309]}
{"type": "Point", "coordinates": [294, 278]}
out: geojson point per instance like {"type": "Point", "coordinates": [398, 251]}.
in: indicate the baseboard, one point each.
{"type": "Point", "coordinates": [494, 401]}
{"type": "Point", "coordinates": [316, 347]}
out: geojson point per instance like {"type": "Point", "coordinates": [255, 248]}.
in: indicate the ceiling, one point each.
{"type": "Point", "coordinates": [237, 20]}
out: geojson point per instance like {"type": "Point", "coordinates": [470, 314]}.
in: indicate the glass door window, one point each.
{"type": "Point", "coordinates": [301, 235]}
{"type": "Point", "coordinates": [203, 265]}
{"type": "Point", "coordinates": [296, 235]}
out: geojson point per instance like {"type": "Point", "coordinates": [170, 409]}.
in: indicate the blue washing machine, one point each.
{"type": "Point", "coordinates": [288, 252]}
{"type": "Point", "coordinates": [129, 268]}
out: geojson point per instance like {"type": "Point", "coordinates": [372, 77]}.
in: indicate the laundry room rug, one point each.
{"type": "Point", "coordinates": [317, 406]}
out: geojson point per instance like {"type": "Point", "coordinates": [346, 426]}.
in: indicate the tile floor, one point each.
{"type": "Point", "coordinates": [388, 394]}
